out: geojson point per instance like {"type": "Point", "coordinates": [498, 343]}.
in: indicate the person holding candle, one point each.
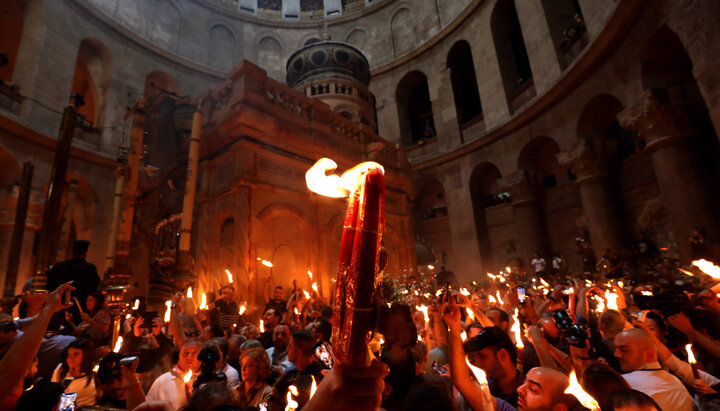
{"type": "Point", "coordinates": [96, 316]}
{"type": "Point", "coordinates": [227, 310]}
{"type": "Point", "coordinates": [170, 386]}
{"type": "Point", "coordinates": [271, 318]}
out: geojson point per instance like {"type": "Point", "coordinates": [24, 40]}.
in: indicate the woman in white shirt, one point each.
{"type": "Point", "coordinates": [75, 371]}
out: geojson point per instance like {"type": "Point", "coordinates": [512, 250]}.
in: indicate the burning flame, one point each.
{"type": "Point", "coordinates": [118, 344]}
{"type": "Point", "coordinates": [292, 405]}
{"type": "Point", "coordinates": [600, 304]}
{"type": "Point", "coordinates": [188, 377]}
{"type": "Point", "coordinates": [310, 274]}
{"type": "Point", "coordinates": [137, 304]}
{"type": "Point", "coordinates": [332, 185]}
{"type": "Point", "coordinates": [262, 326]}
{"type": "Point", "coordinates": [313, 387]}
{"type": "Point", "coordinates": [516, 329]}
{"type": "Point", "coordinates": [646, 293]}
{"type": "Point", "coordinates": [438, 292]}
{"type": "Point", "coordinates": [544, 283]}
{"type": "Point", "coordinates": [296, 311]}
{"type": "Point", "coordinates": [708, 268]}
{"type": "Point", "coordinates": [168, 304]}
{"type": "Point", "coordinates": [686, 272]}
{"type": "Point", "coordinates": [423, 309]}
{"type": "Point", "coordinates": [307, 295]}
{"type": "Point", "coordinates": [315, 287]}
{"type": "Point", "coordinates": [96, 368]}
{"type": "Point", "coordinates": [463, 336]}
{"type": "Point", "coordinates": [230, 280]}
{"type": "Point", "coordinates": [501, 278]}
{"type": "Point", "coordinates": [189, 292]}
{"type": "Point", "coordinates": [477, 372]}
{"type": "Point", "coordinates": [499, 299]}
{"type": "Point", "coordinates": [127, 316]}
{"type": "Point", "coordinates": [611, 298]}
{"type": "Point", "coordinates": [464, 291]}
{"type": "Point", "coordinates": [242, 309]}
{"type": "Point", "coordinates": [470, 314]}
{"type": "Point", "coordinates": [691, 356]}
{"type": "Point", "coordinates": [267, 263]}
{"type": "Point", "coordinates": [203, 302]}
{"type": "Point", "coordinates": [576, 389]}
{"type": "Point", "coordinates": [492, 299]}
{"type": "Point", "coordinates": [508, 269]}
{"type": "Point", "coordinates": [491, 276]}
{"type": "Point", "coordinates": [431, 267]}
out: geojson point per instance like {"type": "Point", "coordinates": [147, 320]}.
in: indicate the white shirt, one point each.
{"type": "Point", "coordinates": [282, 361]}
{"type": "Point", "coordinates": [233, 378]}
{"type": "Point", "coordinates": [85, 391]}
{"type": "Point", "coordinates": [169, 387]}
{"type": "Point", "coordinates": [539, 264]}
{"type": "Point", "coordinates": [667, 391]}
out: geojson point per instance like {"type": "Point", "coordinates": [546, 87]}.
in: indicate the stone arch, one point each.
{"type": "Point", "coordinates": [357, 37]}
{"type": "Point", "coordinates": [309, 38]}
{"type": "Point", "coordinates": [401, 29]}
{"type": "Point", "coordinates": [464, 82]}
{"type": "Point", "coordinates": [221, 53]}
{"type": "Point", "coordinates": [91, 79]}
{"type": "Point", "coordinates": [25, 69]}
{"type": "Point", "coordinates": [430, 217]}
{"type": "Point", "coordinates": [412, 96]}
{"type": "Point", "coordinates": [270, 55]}
{"type": "Point", "coordinates": [567, 29]}
{"type": "Point", "coordinates": [156, 83]}
{"type": "Point", "coordinates": [485, 192]}
{"type": "Point", "coordinates": [598, 125]}
{"type": "Point", "coordinates": [538, 159]}
{"type": "Point", "coordinates": [510, 49]}
{"type": "Point", "coordinates": [11, 29]}
{"type": "Point", "coordinates": [165, 28]}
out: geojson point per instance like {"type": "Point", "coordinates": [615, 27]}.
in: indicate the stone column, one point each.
{"type": "Point", "coordinates": [601, 210]}
{"type": "Point", "coordinates": [689, 197]}
{"type": "Point", "coordinates": [529, 219]}
{"type": "Point", "coordinates": [64, 236]}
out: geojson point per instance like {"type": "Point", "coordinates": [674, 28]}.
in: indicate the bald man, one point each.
{"type": "Point", "coordinates": [543, 390]}
{"type": "Point", "coordinates": [635, 350]}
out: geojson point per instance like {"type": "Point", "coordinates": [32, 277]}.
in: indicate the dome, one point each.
{"type": "Point", "coordinates": [327, 59]}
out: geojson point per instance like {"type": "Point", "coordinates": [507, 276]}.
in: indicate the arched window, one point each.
{"type": "Point", "coordinates": [538, 159]}
{"type": "Point", "coordinates": [485, 192]}
{"type": "Point", "coordinates": [165, 27]}
{"type": "Point", "coordinates": [11, 27]}
{"type": "Point", "coordinates": [567, 28]}
{"type": "Point", "coordinates": [598, 125]}
{"type": "Point", "coordinates": [401, 27]}
{"type": "Point", "coordinates": [269, 56]}
{"type": "Point", "coordinates": [464, 82]}
{"type": "Point", "coordinates": [222, 46]}
{"type": "Point", "coordinates": [511, 53]}
{"type": "Point", "coordinates": [415, 109]}
{"type": "Point", "coordinates": [91, 80]}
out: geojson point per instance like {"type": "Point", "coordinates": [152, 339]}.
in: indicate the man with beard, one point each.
{"type": "Point", "coordinates": [278, 353]}
{"type": "Point", "coordinates": [271, 318]}
{"type": "Point", "coordinates": [494, 352]}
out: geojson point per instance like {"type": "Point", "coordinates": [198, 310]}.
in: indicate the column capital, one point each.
{"type": "Point", "coordinates": [521, 186]}
{"type": "Point", "coordinates": [658, 117]}
{"type": "Point", "coordinates": [584, 161]}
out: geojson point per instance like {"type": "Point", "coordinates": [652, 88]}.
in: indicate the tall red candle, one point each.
{"type": "Point", "coordinates": [359, 257]}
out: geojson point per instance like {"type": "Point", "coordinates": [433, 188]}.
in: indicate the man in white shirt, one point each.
{"type": "Point", "coordinates": [170, 386]}
{"type": "Point", "coordinates": [636, 352]}
{"type": "Point", "coordinates": [539, 264]}
{"type": "Point", "coordinates": [278, 353]}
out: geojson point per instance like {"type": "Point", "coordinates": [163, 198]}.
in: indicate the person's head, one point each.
{"type": "Point", "coordinates": [474, 329]}
{"type": "Point", "coordinates": [95, 302]}
{"type": "Point", "coordinates": [300, 348]}
{"type": "Point", "coordinates": [188, 306]}
{"type": "Point", "coordinates": [234, 344]}
{"type": "Point", "coordinates": [627, 399]}
{"type": "Point", "coordinates": [543, 390]}
{"type": "Point", "coordinates": [610, 323]}
{"type": "Point", "coordinates": [44, 395]}
{"type": "Point", "coordinates": [223, 346]}
{"type": "Point", "coordinates": [208, 351]}
{"type": "Point", "coordinates": [78, 356]}
{"type": "Point", "coordinates": [227, 293]}
{"type": "Point", "coordinates": [212, 331]}
{"type": "Point", "coordinates": [599, 380]}
{"type": "Point", "coordinates": [249, 345]}
{"type": "Point", "coordinates": [499, 317]}
{"type": "Point", "coordinates": [210, 396]}
{"type": "Point", "coordinates": [326, 312]}
{"type": "Point", "coordinates": [254, 365]}
{"type": "Point", "coordinates": [271, 318]}
{"type": "Point", "coordinates": [323, 329]}
{"type": "Point", "coordinates": [188, 355]}
{"type": "Point", "coordinates": [250, 332]}
{"type": "Point", "coordinates": [656, 325]}
{"type": "Point", "coordinates": [281, 337]}
{"type": "Point", "coordinates": [110, 378]}
{"type": "Point", "coordinates": [279, 293]}
{"type": "Point", "coordinates": [634, 348]}
{"type": "Point", "coordinates": [8, 332]}
{"type": "Point", "coordinates": [536, 254]}
{"type": "Point", "coordinates": [80, 248]}
{"type": "Point", "coordinates": [493, 351]}
{"type": "Point", "coordinates": [419, 354]}
{"type": "Point", "coordinates": [549, 328]}
{"type": "Point", "coordinates": [398, 327]}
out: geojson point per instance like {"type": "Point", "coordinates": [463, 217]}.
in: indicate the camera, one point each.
{"type": "Point", "coordinates": [208, 356]}
{"type": "Point", "coordinates": [573, 334]}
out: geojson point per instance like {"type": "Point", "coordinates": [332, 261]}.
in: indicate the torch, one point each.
{"type": "Point", "coordinates": [353, 307]}
{"type": "Point", "coordinates": [692, 361]}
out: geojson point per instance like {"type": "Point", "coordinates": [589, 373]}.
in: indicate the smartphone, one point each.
{"type": "Point", "coordinates": [148, 316]}
{"type": "Point", "coordinates": [67, 401]}
{"type": "Point", "coordinates": [439, 368]}
{"type": "Point", "coordinates": [521, 294]}
{"type": "Point", "coordinates": [66, 297]}
{"type": "Point", "coordinates": [128, 361]}
{"type": "Point", "coordinates": [323, 354]}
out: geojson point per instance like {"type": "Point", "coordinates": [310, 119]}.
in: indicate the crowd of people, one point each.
{"type": "Point", "coordinates": [500, 342]}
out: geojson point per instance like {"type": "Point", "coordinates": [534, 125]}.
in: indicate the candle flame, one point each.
{"type": "Point", "coordinates": [691, 356]}
{"type": "Point", "coordinates": [168, 304]}
{"type": "Point", "coordinates": [708, 268]}
{"type": "Point", "coordinates": [492, 299]}
{"type": "Point", "coordinates": [267, 263]}
{"type": "Point", "coordinates": [477, 372]}
{"type": "Point", "coordinates": [499, 299]}
{"type": "Point", "coordinates": [230, 279]}
{"type": "Point", "coordinates": [438, 292]}
{"type": "Point", "coordinates": [491, 276]}
{"type": "Point", "coordinates": [463, 336]}
{"type": "Point", "coordinates": [292, 405]}
{"type": "Point", "coordinates": [516, 329]}
{"type": "Point", "coordinates": [118, 344]}
{"type": "Point", "coordinates": [315, 287]}
{"type": "Point", "coordinates": [203, 302]}
{"type": "Point", "coordinates": [96, 368]}
{"type": "Point", "coordinates": [501, 278]}
{"type": "Point", "coordinates": [544, 283]}
{"type": "Point", "coordinates": [296, 311]}
{"type": "Point", "coordinates": [242, 309]}
{"type": "Point", "coordinates": [508, 269]}
{"type": "Point", "coordinates": [600, 304]}
{"type": "Point", "coordinates": [611, 298]}
{"type": "Point", "coordinates": [262, 326]}
{"type": "Point", "coordinates": [574, 388]}
{"type": "Point", "coordinates": [431, 267]}
{"type": "Point", "coordinates": [188, 377]}
{"type": "Point", "coordinates": [470, 314]}
{"type": "Point", "coordinates": [189, 292]}
{"type": "Point", "coordinates": [646, 293]}
{"type": "Point", "coordinates": [464, 291]}
{"type": "Point", "coordinates": [310, 274]}
{"type": "Point", "coordinates": [423, 309]}
{"type": "Point", "coordinates": [137, 304]}
{"type": "Point", "coordinates": [127, 316]}
{"type": "Point", "coordinates": [307, 295]}
{"type": "Point", "coordinates": [313, 387]}
{"type": "Point", "coordinates": [686, 272]}
{"type": "Point", "coordinates": [332, 185]}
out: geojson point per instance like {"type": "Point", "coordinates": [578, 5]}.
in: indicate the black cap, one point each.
{"type": "Point", "coordinates": [109, 367]}
{"type": "Point", "coordinates": [80, 247]}
{"type": "Point", "coordinates": [491, 337]}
